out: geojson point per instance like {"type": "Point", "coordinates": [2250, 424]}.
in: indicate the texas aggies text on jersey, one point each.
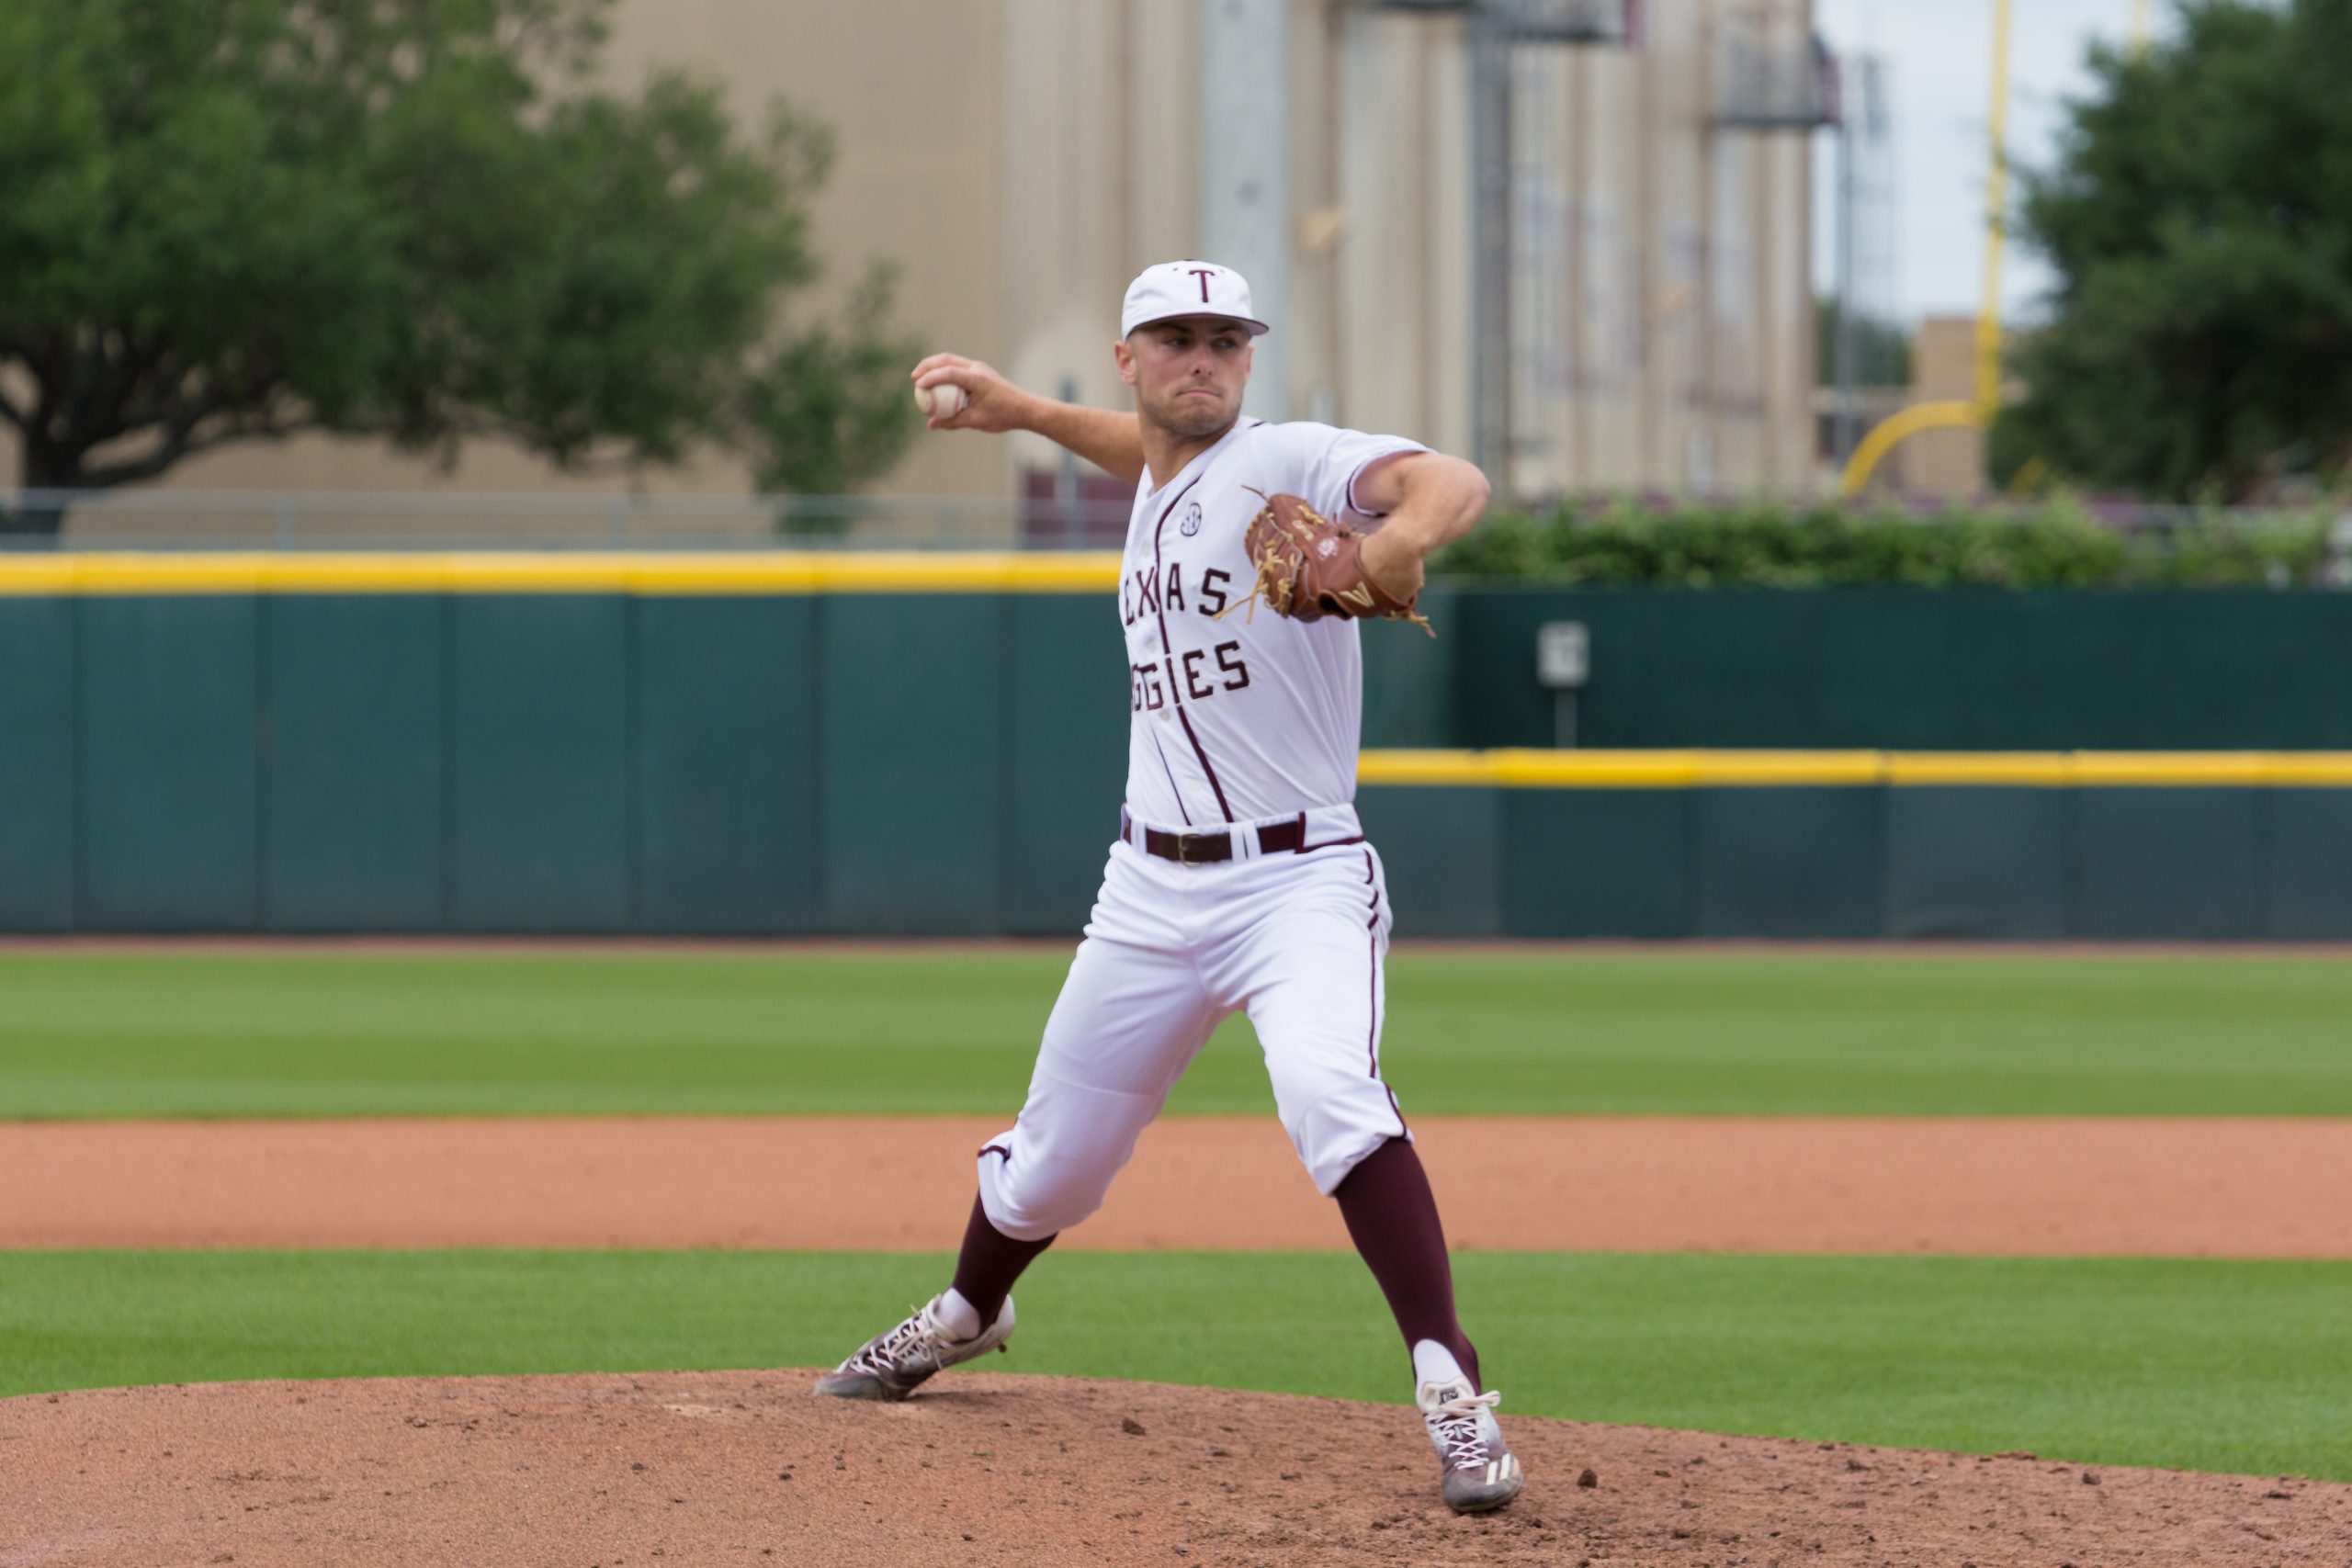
{"type": "Point", "coordinates": [1239, 714]}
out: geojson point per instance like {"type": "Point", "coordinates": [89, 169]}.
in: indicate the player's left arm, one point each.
{"type": "Point", "coordinates": [1430, 500]}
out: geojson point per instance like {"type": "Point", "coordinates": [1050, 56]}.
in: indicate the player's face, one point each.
{"type": "Point", "coordinates": [1188, 372]}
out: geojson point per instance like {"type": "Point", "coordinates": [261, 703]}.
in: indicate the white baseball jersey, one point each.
{"type": "Point", "coordinates": [1238, 718]}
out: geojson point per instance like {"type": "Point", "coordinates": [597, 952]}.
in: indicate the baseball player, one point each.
{"type": "Point", "coordinates": [1241, 879]}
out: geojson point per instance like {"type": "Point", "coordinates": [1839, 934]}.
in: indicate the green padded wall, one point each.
{"type": "Point", "coordinates": [1979, 862]}
{"type": "Point", "coordinates": [1442, 851]}
{"type": "Point", "coordinates": [1599, 863]}
{"type": "Point", "coordinates": [1066, 756]}
{"type": "Point", "coordinates": [1741, 664]}
{"type": "Point", "coordinates": [2177, 864]}
{"type": "Point", "coordinates": [951, 764]}
{"type": "Point", "coordinates": [1408, 677]}
{"type": "Point", "coordinates": [728, 835]}
{"type": "Point", "coordinates": [1911, 670]}
{"type": "Point", "coordinates": [2307, 850]}
{"type": "Point", "coordinates": [537, 740]}
{"type": "Point", "coordinates": [352, 766]}
{"type": "Point", "coordinates": [1786, 862]}
{"type": "Point", "coordinates": [912, 749]}
{"type": "Point", "coordinates": [36, 819]}
{"type": "Point", "coordinates": [168, 804]}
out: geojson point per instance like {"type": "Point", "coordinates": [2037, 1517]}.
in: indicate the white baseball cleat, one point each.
{"type": "Point", "coordinates": [1481, 1472]}
{"type": "Point", "coordinates": [891, 1366]}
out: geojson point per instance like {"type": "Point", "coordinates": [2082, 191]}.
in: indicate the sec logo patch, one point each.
{"type": "Point", "coordinates": [1192, 524]}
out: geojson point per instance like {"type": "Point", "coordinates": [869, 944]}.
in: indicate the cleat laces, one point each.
{"type": "Point", "coordinates": [891, 1352]}
{"type": "Point", "coordinates": [1456, 1425]}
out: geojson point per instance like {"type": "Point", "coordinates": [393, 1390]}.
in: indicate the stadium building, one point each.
{"type": "Point", "coordinates": [1569, 237]}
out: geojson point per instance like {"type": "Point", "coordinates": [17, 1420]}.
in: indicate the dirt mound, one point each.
{"type": "Point", "coordinates": [716, 1467]}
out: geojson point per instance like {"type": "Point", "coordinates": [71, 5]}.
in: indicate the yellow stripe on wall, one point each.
{"type": "Point", "coordinates": [1690, 769]}
{"type": "Point", "coordinates": [1978, 768]}
{"type": "Point", "coordinates": [2176, 768]}
{"type": "Point", "coordinates": [2317, 768]}
{"type": "Point", "coordinates": [544, 571]}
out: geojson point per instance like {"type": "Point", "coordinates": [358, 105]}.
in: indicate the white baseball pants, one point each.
{"type": "Point", "coordinates": [1295, 939]}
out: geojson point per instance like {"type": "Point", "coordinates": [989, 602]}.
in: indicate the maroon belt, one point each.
{"type": "Point", "coordinates": [1207, 848]}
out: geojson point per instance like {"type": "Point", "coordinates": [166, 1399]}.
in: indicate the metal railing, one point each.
{"type": "Point", "coordinates": [246, 520]}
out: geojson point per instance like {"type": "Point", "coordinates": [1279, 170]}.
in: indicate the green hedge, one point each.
{"type": "Point", "coordinates": [2051, 544]}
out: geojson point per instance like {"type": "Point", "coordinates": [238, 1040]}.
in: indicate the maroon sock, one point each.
{"type": "Point", "coordinates": [989, 1262]}
{"type": "Point", "coordinates": [1392, 1217]}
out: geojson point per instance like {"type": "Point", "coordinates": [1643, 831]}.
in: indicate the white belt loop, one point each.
{"type": "Point", "coordinates": [1332, 825]}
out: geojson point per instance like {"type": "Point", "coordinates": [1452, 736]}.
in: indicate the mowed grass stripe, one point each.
{"type": "Point", "coordinates": [2232, 1367]}
{"type": "Point", "coordinates": [162, 1035]}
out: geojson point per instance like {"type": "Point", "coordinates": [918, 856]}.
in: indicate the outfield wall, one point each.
{"type": "Point", "coordinates": [566, 744]}
{"type": "Point", "coordinates": [933, 744]}
{"type": "Point", "coordinates": [1898, 669]}
{"type": "Point", "coordinates": [2020, 846]}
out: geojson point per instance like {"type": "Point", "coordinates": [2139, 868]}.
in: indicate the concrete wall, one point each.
{"type": "Point", "coordinates": [1943, 360]}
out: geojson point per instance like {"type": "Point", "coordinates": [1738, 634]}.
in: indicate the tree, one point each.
{"type": "Point", "coordinates": [2198, 216]}
{"type": "Point", "coordinates": [233, 220]}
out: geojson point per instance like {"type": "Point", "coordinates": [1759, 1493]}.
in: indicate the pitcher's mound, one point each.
{"type": "Point", "coordinates": [724, 1468]}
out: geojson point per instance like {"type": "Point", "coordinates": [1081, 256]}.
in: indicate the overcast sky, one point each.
{"type": "Point", "coordinates": [1938, 58]}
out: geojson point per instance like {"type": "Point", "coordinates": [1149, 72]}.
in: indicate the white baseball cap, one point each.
{"type": "Point", "coordinates": [1188, 289]}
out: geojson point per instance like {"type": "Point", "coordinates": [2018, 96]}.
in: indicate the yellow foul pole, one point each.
{"type": "Point", "coordinates": [1978, 411]}
{"type": "Point", "coordinates": [1997, 224]}
{"type": "Point", "coordinates": [2139, 26]}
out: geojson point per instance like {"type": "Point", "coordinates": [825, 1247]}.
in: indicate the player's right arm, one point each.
{"type": "Point", "coordinates": [1112, 442]}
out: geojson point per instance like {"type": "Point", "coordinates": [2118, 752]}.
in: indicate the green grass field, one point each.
{"type": "Point", "coordinates": [94, 1035]}
{"type": "Point", "coordinates": [2231, 1367]}
{"type": "Point", "coordinates": [2225, 1366]}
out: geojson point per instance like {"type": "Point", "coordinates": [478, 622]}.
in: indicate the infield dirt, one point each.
{"type": "Point", "coordinates": [2051, 1186]}
{"type": "Point", "coordinates": [749, 1469]}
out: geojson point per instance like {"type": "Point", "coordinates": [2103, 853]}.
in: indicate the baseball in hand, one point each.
{"type": "Point", "coordinates": [942, 401]}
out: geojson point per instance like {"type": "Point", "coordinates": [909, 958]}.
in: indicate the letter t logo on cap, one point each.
{"type": "Point", "coordinates": [1209, 290]}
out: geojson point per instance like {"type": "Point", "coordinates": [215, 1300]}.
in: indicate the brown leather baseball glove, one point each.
{"type": "Point", "coordinates": [1309, 567]}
